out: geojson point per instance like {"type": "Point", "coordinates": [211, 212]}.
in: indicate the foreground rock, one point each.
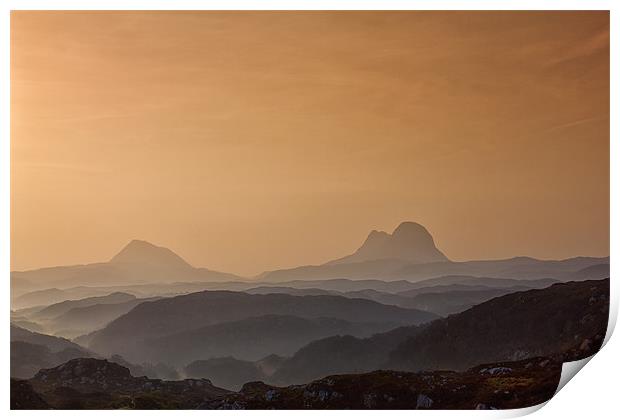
{"type": "Point", "coordinates": [508, 385]}
{"type": "Point", "coordinates": [99, 384]}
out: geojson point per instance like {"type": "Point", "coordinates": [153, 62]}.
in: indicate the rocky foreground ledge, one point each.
{"type": "Point", "coordinates": [99, 384]}
{"type": "Point", "coordinates": [505, 385]}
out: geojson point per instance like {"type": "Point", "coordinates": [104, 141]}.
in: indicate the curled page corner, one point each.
{"type": "Point", "coordinates": [521, 412]}
{"type": "Point", "coordinates": [611, 323]}
{"type": "Point", "coordinates": [569, 370]}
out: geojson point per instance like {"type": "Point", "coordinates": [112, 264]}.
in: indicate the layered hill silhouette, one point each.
{"type": "Point", "coordinates": [252, 338]}
{"type": "Point", "coordinates": [72, 318]}
{"type": "Point", "coordinates": [442, 300]}
{"type": "Point", "coordinates": [28, 358]}
{"type": "Point", "coordinates": [138, 262]}
{"type": "Point", "coordinates": [520, 268]}
{"type": "Point", "coordinates": [84, 320]}
{"type": "Point", "coordinates": [52, 342]}
{"type": "Point", "coordinates": [31, 352]}
{"type": "Point", "coordinates": [409, 253]}
{"type": "Point", "coordinates": [512, 327]}
{"type": "Point", "coordinates": [57, 309]}
{"type": "Point", "coordinates": [127, 334]}
{"type": "Point", "coordinates": [340, 354]}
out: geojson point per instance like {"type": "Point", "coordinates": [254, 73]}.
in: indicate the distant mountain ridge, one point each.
{"type": "Point", "coordinates": [139, 252]}
{"type": "Point", "coordinates": [32, 351]}
{"type": "Point", "coordinates": [409, 242]}
{"type": "Point", "coordinates": [127, 334]}
{"type": "Point", "coordinates": [408, 253]}
{"type": "Point", "coordinates": [519, 268]}
{"type": "Point", "coordinates": [511, 327]}
{"type": "Point", "coordinates": [49, 341]}
{"type": "Point", "coordinates": [60, 308]}
{"type": "Point", "coordinates": [252, 338]}
{"type": "Point", "coordinates": [139, 262]}
{"type": "Point", "coordinates": [516, 326]}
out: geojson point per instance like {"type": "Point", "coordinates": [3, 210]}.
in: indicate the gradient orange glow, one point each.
{"type": "Point", "coordinates": [248, 141]}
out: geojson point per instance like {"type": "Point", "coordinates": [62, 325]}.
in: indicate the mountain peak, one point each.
{"type": "Point", "coordinates": [409, 233]}
{"type": "Point", "coordinates": [410, 241]}
{"type": "Point", "coordinates": [145, 253]}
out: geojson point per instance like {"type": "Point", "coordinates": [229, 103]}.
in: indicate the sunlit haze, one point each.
{"type": "Point", "coordinates": [253, 141]}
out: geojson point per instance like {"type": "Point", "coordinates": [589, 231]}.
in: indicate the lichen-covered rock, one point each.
{"type": "Point", "coordinates": [423, 401]}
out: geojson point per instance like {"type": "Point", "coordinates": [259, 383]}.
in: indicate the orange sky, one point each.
{"type": "Point", "coordinates": [253, 141]}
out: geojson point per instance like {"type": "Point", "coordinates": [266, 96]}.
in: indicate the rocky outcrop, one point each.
{"type": "Point", "coordinates": [505, 385]}
{"type": "Point", "coordinates": [93, 383]}
{"type": "Point", "coordinates": [98, 384]}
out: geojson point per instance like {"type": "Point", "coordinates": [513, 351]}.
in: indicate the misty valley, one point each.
{"type": "Point", "coordinates": [394, 325]}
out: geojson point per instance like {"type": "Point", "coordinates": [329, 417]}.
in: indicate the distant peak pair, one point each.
{"type": "Point", "coordinates": [410, 241]}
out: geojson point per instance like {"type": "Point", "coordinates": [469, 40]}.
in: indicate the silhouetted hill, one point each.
{"type": "Point", "coordinates": [512, 327]}
{"type": "Point", "coordinates": [142, 253]}
{"type": "Point", "coordinates": [61, 308]}
{"type": "Point", "coordinates": [454, 301]}
{"type": "Point", "coordinates": [458, 282]}
{"type": "Point", "coordinates": [438, 296]}
{"type": "Point", "coordinates": [265, 290]}
{"type": "Point", "coordinates": [179, 314]}
{"type": "Point", "coordinates": [520, 268]}
{"type": "Point", "coordinates": [23, 322]}
{"type": "Point", "coordinates": [138, 262]}
{"type": "Point", "coordinates": [43, 297]}
{"type": "Point", "coordinates": [251, 338]}
{"type": "Point", "coordinates": [32, 351]}
{"type": "Point", "coordinates": [340, 354]}
{"type": "Point", "coordinates": [593, 272]}
{"type": "Point", "coordinates": [27, 358]}
{"type": "Point", "coordinates": [86, 319]}
{"type": "Point", "coordinates": [388, 270]}
{"type": "Point", "coordinates": [346, 285]}
{"type": "Point", "coordinates": [515, 326]}
{"type": "Point", "coordinates": [370, 294]}
{"type": "Point", "coordinates": [409, 253]}
{"type": "Point", "coordinates": [409, 242]}
{"type": "Point", "coordinates": [19, 286]}
{"type": "Point", "coordinates": [53, 343]}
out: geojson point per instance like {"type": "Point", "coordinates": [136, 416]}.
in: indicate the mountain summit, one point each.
{"type": "Point", "coordinates": [410, 242]}
{"type": "Point", "coordinates": [139, 262]}
{"type": "Point", "coordinates": [143, 253]}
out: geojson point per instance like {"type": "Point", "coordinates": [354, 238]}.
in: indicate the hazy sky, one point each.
{"type": "Point", "coordinates": [253, 141]}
